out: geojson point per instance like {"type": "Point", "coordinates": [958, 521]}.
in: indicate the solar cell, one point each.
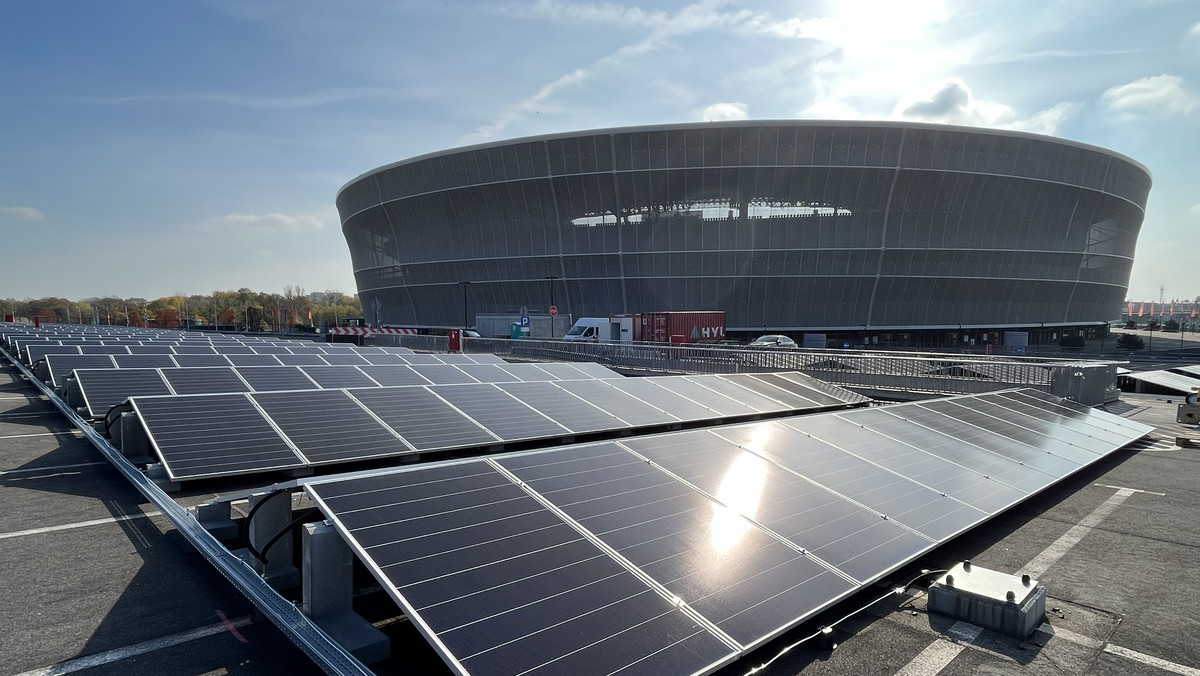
{"type": "Point", "coordinates": [821, 392]}
{"type": "Point", "coordinates": [717, 404]}
{"type": "Point", "coordinates": [746, 582]}
{"type": "Point", "coordinates": [275, 378]}
{"type": "Point", "coordinates": [204, 380]}
{"type": "Point", "coordinates": [855, 540]}
{"type": "Point", "coordinates": [736, 392]}
{"type": "Point", "coordinates": [339, 376]}
{"type": "Point", "coordinates": [423, 419]}
{"type": "Point", "coordinates": [594, 370]}
{"type": "Point", "coordinates": [503, 586]}
{"type": "Point", "coordinates": [104, 388]}
{"type": "Point", "coordinates": [779, 389]}
{"type": "Point", "coordinates": [212, 435]}
{"type": "Point", "coordinates": [561, 406]}
{"type": "Point", "coordinates": [329, 426]}
{"type": "Point", "coordinates": [499, 412]}
{"type": "Point", "coordinates": [527, 372]}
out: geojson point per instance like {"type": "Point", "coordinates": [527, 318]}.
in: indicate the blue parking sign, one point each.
{"type": "Point", "coordinates": [524, 320]}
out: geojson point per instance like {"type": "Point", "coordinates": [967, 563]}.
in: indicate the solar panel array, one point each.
{"type": "Point", "coordinates": [98, 390]}
{"type": "Point", "coordinates": [423, 418]}
{"type": "Point", "coordinates": [675, 553]}
{"type": "Point", "coordinates": [53, 368]}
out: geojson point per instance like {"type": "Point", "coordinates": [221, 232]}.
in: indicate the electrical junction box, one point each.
{"type": "Point", "coordinates": [1010, 604]}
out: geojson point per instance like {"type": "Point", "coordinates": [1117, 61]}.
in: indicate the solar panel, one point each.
{"type": "Point", "coordinates": [270, 349]}
{"type": "Point", "coordinates": [920, 507]}
{"type": "Point", "coordinates": [568, 410]}
{"type": "Point", "coordinates": [104, 388]}
{"type": "Point", "coordinates": [275, 378]}
{"type": "Point", "coordinates": [748, 583]}
{"type": "Point", "coordinates": [329, 426]}
{"type": "Point", "coordinates": [59, 366]}
{"type": "Point", "coordinates": [456, 359]}
{"type": "Point", "coordinates": [103, 349]}
{"type": "Point", "coordinates": [151, 349]}
{"type": "Point", "coordinates": [823, 393]}
{"type": "Point", "coordinates": [380, 359]}
{"type": "Point", "coordinates": [394, 375]}
{"type": "Point", "coordinates": [345, 360]}
{"type": "Point", "coordinates": [501, 585]}
{"type": "Point", "coordinates": [499, 412]}
{"type": "Point", "coordinates": [587, 368]}
{"type": "Point", "coordinates": [144, 361]}
{"type": "Point", "coordinates": [487, 359]}
{"type": "Point", "coordinates": [212, 435]}
{"type": "Point", "coordinates": [488, 373]}
{"type": "Point", "coordinates": [774, 387]}
{"type": "Point", "coordinates": [527, 372]}
{"type": "Point", "coordinates": [253, 360]}
{"type": "Point", "coordinates": [200, 360]}
{"type": "Point", "coordinates": [716, 403]}
{"type": "Point", "coordinates": [960, 481]}
{"type": "Point", "coordinates": [194, 349]}
{"type": "Point", "coordinates": [443, 374]}
{"type": "Point", "coordinates": [1066, 414]}
{"type": "Point", "coordinates": [677, 405]}
{"type": "Point", "coordinates": [424, 420]}
{"type": "Point", "coordinates": [37, 352]}
{"type": "Point", "coordinates": [422, 359]}
{"type": "Point", "coordinates": [204, 380]}
{"type": "Point", "coordinates": [845, 535]}
{"type": "Point", "coordinates": [734, 390]}
{"type": "Point", "coordinates": [339, 376]}
{"type": "Point", "coordinates": [306, 359]}
{"type": "Point", "coordinates": [625, 406]}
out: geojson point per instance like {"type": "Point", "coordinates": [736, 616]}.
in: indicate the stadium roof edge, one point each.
{"type": "Point", "coordinates": [882, 124]}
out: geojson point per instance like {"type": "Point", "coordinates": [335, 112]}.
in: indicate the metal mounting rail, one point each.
{"type": "Point", "coordinates": [328, 654]}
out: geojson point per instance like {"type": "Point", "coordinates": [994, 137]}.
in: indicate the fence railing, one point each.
{"type": "Point", "coordinates": [1088, 382]}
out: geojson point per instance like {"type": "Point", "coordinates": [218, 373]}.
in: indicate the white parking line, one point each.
{"type": "Point", "coordinates": [941, 652]}
{"type": "Point", "coordinates": [99, 659]}
{"type": "Point", "coordinates": [40, 434]}
{"type": "Point", "coordinates": [50, 468]}
{"type": "Point", "coordinates": [1042, 562]}
{"type": "Point", "coordinates": [80, 524]}
{"type": "Point", "coordinates": [1151, 660]}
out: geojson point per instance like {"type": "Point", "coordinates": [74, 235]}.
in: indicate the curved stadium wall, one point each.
{"type": "Point", "coordinates": [797, 225]}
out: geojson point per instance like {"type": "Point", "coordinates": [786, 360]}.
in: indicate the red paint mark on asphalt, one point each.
{"type": "Point", "coordinates": [232, 629]}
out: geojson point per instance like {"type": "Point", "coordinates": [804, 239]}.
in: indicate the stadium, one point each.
{"type": "Point", "coordinates": [893, 231]}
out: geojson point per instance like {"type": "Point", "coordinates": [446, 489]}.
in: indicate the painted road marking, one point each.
{"type": "Point", "coordinates": [41, 434]}
{"type": "Point", "coordinates": [1126, 488]}
{"type": "Point", "coordinates": [1151, 660]}
{"type": "Point", "coordinates": [80, 524]}
{"type": "Point", "coordinates": [78, 664]}
{"type": "Point", "coordinates": [941, 652]}
{"type": "Point", "coordinates": [1059, 548]}
{"type": "Point", "coordinates": [50, 468]}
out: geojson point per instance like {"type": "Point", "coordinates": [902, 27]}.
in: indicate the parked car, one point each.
{"type": "Point", "coordinates": [772, 341]}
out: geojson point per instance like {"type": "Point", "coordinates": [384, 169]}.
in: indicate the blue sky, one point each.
{"type": "Point", "coordinates": [152, 148]}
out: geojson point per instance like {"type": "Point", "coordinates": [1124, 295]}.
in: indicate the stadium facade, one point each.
{"type": "Point", "coordinates": [844, 227]}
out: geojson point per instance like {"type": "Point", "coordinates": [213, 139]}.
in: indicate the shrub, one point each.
{"type": "Point", "coordinates": [1128, 341]}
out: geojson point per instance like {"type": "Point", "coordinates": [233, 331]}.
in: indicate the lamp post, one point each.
{"type": "Point", "coordinates": [551, 279]}
{"type": "Point", "coordinates": [464, 286]}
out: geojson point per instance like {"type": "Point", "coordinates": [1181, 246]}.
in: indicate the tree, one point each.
{"type": "Point", "coordinates": [1129, 341]}
{"type": "Point", "coordinates": [1171, 326]}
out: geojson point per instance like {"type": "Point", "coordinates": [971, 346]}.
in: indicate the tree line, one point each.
{"type": "Point", "coordinates": [241, 310]}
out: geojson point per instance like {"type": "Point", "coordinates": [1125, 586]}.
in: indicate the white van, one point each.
{"type": "Point", "coordinates": [592, 329]}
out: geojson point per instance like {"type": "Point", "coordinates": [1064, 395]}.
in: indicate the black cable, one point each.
{"type": "Point", "coordinates": [242, 532]}
{"type": "Point", "coordinates": [287, 529]}
{"type": "Point", "coordinates": [895, 591]}
{"type": "Point", "coordinates": [108, 420]}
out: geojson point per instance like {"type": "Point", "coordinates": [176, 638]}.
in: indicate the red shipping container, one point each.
{"type": "Point", "coordinates": [695, 327]}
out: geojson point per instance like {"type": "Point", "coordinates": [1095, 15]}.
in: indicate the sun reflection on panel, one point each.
{"type": "Point", "coordinates": [740, 489]}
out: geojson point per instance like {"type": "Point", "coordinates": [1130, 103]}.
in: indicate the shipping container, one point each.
{"type": "Point", "coordinates": [694, 327]}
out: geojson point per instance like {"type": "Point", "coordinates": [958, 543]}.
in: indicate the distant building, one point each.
{"type": "Point", "coordinates": [789, 226]}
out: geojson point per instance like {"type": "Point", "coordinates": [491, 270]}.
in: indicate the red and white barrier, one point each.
{"type": "Point", "coordinates": [368, 331]}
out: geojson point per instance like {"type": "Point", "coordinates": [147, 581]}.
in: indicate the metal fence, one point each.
{"type": "Point", "coordinates": [1088, 382]}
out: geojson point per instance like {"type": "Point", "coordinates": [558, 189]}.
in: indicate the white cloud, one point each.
{"type": "Point", "coordinates": [1195, 30]}
{"type": "Point", "coordinates": [952, 102]}
{"type": "Point", "coordinates": [270, 223]}
{"type": "Point", "coordinates": [1195, 210]}
{"type": "Point", "coordinates": [1160, 93]}
{"type": "Point", "coordinates": [22, 213]}
{"type": "Point", "coordinates": [239, 100]}
{"type": "Point", "coordinates": [725, 111]}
